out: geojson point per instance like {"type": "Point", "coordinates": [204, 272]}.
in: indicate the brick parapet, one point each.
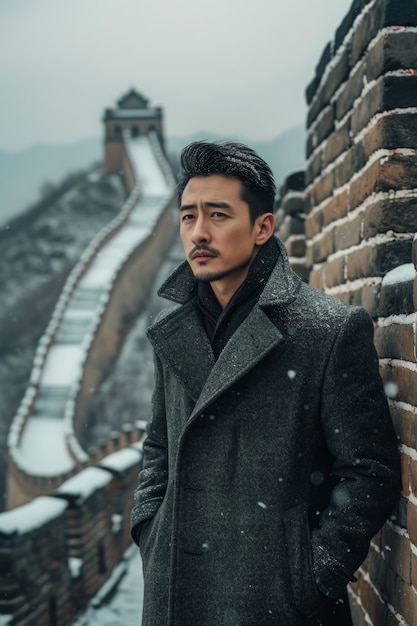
{"type": "Point", "coordinates": [50, 570]}
{"type": "Point", "coordinates": [290, 214]}
{"type": "Point", "coordinates": [361, 201]}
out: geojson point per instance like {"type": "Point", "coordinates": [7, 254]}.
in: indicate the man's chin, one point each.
{"type": "Point", "coordinates": [204, 277]}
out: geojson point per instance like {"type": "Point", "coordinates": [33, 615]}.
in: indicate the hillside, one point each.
{"type": "Point", "coordinates": [39, 249]}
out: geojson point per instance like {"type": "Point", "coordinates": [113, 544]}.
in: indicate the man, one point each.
{"type": "Point", "coordinates": [270, 460]}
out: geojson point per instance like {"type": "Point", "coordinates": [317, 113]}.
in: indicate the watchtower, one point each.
{"type": "Point", "coordinates": [134, 115]}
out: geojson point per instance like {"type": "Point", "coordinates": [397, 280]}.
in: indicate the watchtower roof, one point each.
{"type": "Point", "coordinates": [133, 100]}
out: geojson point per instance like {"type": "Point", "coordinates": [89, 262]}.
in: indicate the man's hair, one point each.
{"type": "Point", "coordinates": [233, 160]}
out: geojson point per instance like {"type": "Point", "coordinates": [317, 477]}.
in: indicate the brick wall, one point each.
{"type": "Point", "coordinates": [57, 551]}
{"type": "Point", "coordinates": [361, 215]}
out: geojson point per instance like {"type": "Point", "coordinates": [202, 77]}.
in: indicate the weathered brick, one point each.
{"type": "Point", "coordinates": [309, 254]}
{"type": "Point", "coordinates": [406, 381]}
{"type": "Point", "coordinates": [390, 173]}
{"type": "Point", "coordinates": [405, 602]}
{"type": "Point", "coordinates": [399, 515]}
{"type": "Point", "coordinates": [296, 246]}
{"type": "Point", "coordinates": [369, 299]}
{"type": "Point", "coordinates": [413, 476]}
{"type": "Point", "coordinates": [395, 341]}
{"type": "Point", "coordinates": [334, 272]}
{"type": "Point", "coordinates": [351, 90]}
{"type": "Point", "coordinates": [377, 259]}
{"type": "Point", "coordinates": [391, 254]}
{"type": "Point", "coordinates": [316, 278]}
{"type": "Point", "coordinates": [291, 225]}
{"type": "Point", "coordinates": [395, 51]}
{"type": "Point", "coordinates": [389, 92]}
{"type": "Point", "coordinates": [396, 299]}
{"type": "Point", "coordinates": [382, 576]}
{"type": "Point", "coordinates": [399, 215]}
{"type": "Point", "coordinates": [313, 224]}
{"type": "Point", "coordinates": [336, 208]}
{"type": "Point", "coordinates": [323, 188]}
{"type": "Point", "coordinates": [405, 424]}
{"type": "Point", "coordinates": [400, 13]}
{"type": "Point", "coordinates": [397, 552]}
{"type": "Point", "coordinates": [323, 247]}
{"type": "Point", "coordinates": [320, 129]}
{"type": "Point", "coordinates": [360, 262]}
{"type": "Point", "coordinates": [348, 233]}
{"type": "Point", "coordinates": [345, 297]}
{"type": "Point", "coordinates": [390, 132]}
{"type": "Point", "coordinates": [373, 606]}
{"type": "Point", "coordinates": [338, 142]}
{"type": "Point", "coordinates": [337, 75]}
{"type": "Point", "coordinates": [293, 203]}
{"type": "Point", "coordinates": [353, 161]}
{"type": "Point", "coordinates": [412, 522]}
{"type": "Point", "coordinates": [314, 166]}
{"type": "Point", "coordinates": [364, 32]}
{"type": "Point", "coordinates": [405, 475]}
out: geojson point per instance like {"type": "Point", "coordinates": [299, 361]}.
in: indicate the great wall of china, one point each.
{"type": "Point", "coordinates": [349, 224]}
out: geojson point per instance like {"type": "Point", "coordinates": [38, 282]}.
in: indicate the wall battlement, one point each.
{"type": "Point", "coordinates": [58, 550]}
{"type": "Point", "coordinates": [360, 200]}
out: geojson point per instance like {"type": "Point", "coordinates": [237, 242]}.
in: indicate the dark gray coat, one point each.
{"type": "Point", "coordinates": [267, 472]}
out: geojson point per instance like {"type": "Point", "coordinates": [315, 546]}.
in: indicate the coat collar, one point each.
{"type": "Point", "coordinates": [181, 285]}
{"type": "Point", "coordinates": [181, 332]}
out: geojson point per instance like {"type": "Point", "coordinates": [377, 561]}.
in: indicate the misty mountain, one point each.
{"type": "Point", "coordinates": [24, 174]}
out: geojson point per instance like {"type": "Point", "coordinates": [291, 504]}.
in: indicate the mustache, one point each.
{"type": "Point", "coordinates": [203, 246]}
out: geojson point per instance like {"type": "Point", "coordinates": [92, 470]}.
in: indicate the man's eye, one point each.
{"type": "Point", "coordinates": [187, 217]}
{"type": "Point", "coordinates": [218, 214]}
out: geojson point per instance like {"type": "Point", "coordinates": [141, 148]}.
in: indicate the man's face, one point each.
{"type": "Point", "coordinates": [216, 230]}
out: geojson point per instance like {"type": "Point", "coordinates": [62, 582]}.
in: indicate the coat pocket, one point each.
{"type": "Point", "coordinates": [297, 532]}
{"type": "Point", "coordinates": [144, 530]}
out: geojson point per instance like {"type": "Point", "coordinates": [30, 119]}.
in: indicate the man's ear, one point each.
{"type": "Point", "coordinates": [265, 225]}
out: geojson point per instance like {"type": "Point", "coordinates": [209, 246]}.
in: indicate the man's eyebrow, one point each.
{"type": "Point", "coordinates": [211, 204]}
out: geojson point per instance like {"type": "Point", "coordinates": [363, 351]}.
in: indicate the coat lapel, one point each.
{"type": "Point", "coordinates": [181, 342]}
{"type": "Point", "coordinates": [251, 342]}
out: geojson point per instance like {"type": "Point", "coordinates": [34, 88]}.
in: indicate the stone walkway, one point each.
{"type": "Point", "coordinates": [123, 606]}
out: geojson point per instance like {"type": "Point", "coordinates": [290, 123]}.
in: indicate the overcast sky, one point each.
{"type": "Point", "coordinates": [237, 68]}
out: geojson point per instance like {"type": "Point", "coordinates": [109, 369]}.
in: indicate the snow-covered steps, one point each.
{"type": "Point", "coordinates": [43, 441]}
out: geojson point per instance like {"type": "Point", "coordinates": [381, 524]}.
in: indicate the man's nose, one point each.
{"type": "Point", "coordinates": [201, 231]}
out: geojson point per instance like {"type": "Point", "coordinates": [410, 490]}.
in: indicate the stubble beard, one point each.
{"type": "Point", "coordinates": [215, 276]}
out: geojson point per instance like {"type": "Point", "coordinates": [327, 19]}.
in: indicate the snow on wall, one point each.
{"type": "Point", "coordinates": [401, 274]}
{"type": "Point", "coordinates": [82, 486]}
{"type": "Point", "coordinates": [42, 441]}
{"type": "Point", "coordinates": [32, 516]}
{"type": "Point", "coordinates": [122, 460]}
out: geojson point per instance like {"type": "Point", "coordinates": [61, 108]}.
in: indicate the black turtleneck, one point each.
{"type": "Point", "coordinates": [220, 324]}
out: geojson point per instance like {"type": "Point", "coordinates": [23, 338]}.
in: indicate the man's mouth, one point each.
{"type": "Point", "coordinates": [202, 254]}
